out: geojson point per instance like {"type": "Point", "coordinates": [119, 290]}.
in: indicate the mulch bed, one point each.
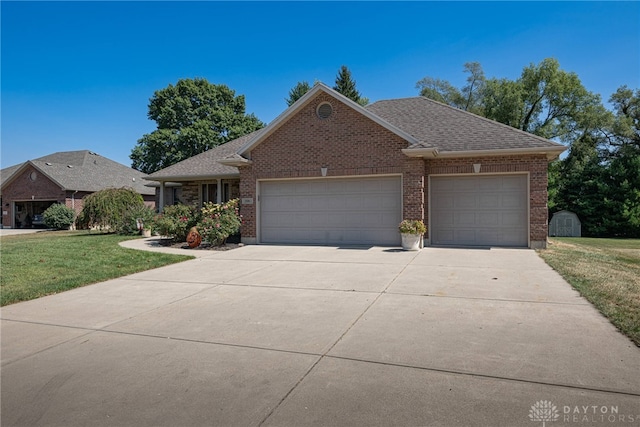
{"type": "Point", "coordinates": [203, 247]}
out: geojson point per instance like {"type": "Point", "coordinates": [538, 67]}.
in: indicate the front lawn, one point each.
{"type": "Point", "coordinates": [606, 272]}
{"type": "Point", "coordinates": [34, 265]}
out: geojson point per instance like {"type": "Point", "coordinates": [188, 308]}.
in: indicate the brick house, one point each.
{"type": "Point", "coordinates": [29, 188]}
{"type": "Point", "coordinates": [329, 171]}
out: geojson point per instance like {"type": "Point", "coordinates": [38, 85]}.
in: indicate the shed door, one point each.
{"type": "Point", "coordinates": [331, 211]}
{"type": "Point", "coordinates": [479, 210]}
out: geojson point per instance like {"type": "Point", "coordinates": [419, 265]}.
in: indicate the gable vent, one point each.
{"type": "Point", "coordinates": [324, 110]}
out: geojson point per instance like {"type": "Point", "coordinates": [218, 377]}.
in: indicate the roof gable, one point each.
{"type": "Point", "coordinates": [85, 170]}
{"type": "Point", "coordinates": [303, 101]}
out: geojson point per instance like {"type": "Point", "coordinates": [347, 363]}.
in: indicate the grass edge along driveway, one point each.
{"type": "Point", "coordinates": [39, 264]}
{"type": "Point", "coordinates": [606, 272]}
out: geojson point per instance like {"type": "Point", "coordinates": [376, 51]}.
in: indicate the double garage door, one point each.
{"type": "Point", "coordinates": [465, 211]}
{"type": "Point", "coordinates": [331, 211]}
{"type": "Point", "coordinates": [479, 210]}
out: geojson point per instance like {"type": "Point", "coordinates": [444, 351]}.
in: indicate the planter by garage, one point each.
{"type": "Point", "coordinates": [411, 242]}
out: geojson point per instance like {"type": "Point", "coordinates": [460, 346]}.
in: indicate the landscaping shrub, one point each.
{"type": "Point", "coordinates": [219, 222]}
{"type": "Point", "coordinates": [58, 216]}
{"type": "Point", "coordinates": [136, 219]}
{"type": "Point", "coordinates": [112, 209]}
{"type": "Point", "coordinates": [175, 221]}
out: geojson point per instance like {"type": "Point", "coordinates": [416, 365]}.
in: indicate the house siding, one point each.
{"type": "Point", "coordinates": [535, 165]}
{"type": "Point", "coordinates": [347, 144]}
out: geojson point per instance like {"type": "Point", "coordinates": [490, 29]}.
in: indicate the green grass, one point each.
{"type": "Point", "coordinates": [606, 272]}
{"type": "Point", "coordinates": [34, 265]}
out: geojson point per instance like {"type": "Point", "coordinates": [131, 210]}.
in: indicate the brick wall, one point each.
{"type": "Point", "coordinates": [347, 144]}
{"type": "Point", "coordinates": [350, 144]}
{"type": "Point", "coordinates": [22, 188]}
{"type": "Point", "coordinates": [536, 165]}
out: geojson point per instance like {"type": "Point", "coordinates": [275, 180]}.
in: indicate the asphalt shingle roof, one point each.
{"type": "Point", "coordinates": [206, 163]}
{"type": "Point", "coordinates": [85, 170]}
{"type": "Point", "coordinates": [446, 128]}
{"type": "Point", "coordinates": [433, 124]}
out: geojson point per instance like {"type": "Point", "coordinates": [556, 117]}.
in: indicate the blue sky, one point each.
{"type": "Point", "coordinates": [79, 75]}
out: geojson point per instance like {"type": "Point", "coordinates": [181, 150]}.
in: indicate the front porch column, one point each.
{"type": "Point", "coordinates": [161, 197]}
{"type": "Point", "coordinates": [219, 192]}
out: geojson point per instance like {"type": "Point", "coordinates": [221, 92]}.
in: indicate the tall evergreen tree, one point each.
{"type": "Point", "coordinates": [297, 92]}
{"type": "Point", "coordinates": [347, 86]}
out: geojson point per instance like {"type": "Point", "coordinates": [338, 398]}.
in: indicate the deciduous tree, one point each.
{"type": "Point", "coordinates": [192, 116]}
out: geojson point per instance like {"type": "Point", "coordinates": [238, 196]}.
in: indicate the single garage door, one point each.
{"type": "Point", "coordinates": [331, 211]}
{"type": "Point", "coordinates": [479, 210]}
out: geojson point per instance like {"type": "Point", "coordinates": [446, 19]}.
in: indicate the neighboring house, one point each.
{"type": "Point", "coordinates": [28, 189]}
{"type": "Point", "coordinates": [328, 171]}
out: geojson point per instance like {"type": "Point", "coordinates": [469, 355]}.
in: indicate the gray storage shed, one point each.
{"type": "Point", "coordinates": [565, 224]}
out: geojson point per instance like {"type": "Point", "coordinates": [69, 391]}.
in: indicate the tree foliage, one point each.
{"type": "Point", "coordinates": [599, 179]}
{"type": "Point", "coordinates": [468, 98]}
{"type": "Point", "coordinates": [344, 84]}
{"type": "Point", "coordinates": [192, 116]}
{"type": "Point", "coordinates": [347, 86]}
{"type": "Point", "coordinates": [545, 100]}
{"type": "Point", "coordinates": [297, 92]}
{"type": "Point", "coordinates": [111, 209]}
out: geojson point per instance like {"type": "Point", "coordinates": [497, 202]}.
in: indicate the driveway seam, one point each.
{"type": "Point", "coordinates": [324, 354]}
{"type": "Point", "coordinates": [320, 357]}
{"type": "Point", "coordinates": [586, 303]}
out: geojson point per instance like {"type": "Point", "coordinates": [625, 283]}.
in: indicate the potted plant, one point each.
{"type": "Point", "coordinates": [144, 220]}
{"type": "Point", "coordinates": [412, 231]}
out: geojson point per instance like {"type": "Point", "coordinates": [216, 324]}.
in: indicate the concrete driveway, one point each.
{"type": "Point", "coordinates": [297, 336]}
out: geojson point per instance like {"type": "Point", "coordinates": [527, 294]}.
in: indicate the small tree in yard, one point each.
{"type": "Point", "coordinates": [59, 217]}
{"type": "Point", "coordinates": [112, 209]}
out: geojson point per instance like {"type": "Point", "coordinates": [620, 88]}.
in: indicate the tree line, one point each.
{"type": "Point", "coordinates": [599, 178]}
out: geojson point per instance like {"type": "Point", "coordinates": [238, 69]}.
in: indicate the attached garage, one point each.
{"type": "Point", "coordinates": [331, 211]}
{"type": "Point", "coordinates": [479, 210]}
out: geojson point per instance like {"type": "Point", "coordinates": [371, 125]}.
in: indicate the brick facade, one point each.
{"type": "Point", "coordinates": [22, 190]}
{"type": "Point", "coordinates": [347, 144]}
{"type": "Point", "coordinates": [350, 144]}
{"type": "Point", "coordinates": [535, 165]}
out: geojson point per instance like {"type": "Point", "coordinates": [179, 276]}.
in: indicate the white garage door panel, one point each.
{"type": "Point", "coordinates": [331, 211]}
{"type": "Point", "coordinates": [479, 210]}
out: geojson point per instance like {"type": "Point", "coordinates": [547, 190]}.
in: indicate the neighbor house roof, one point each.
{"type": "Point", "coordinates": [204, 165]}
{"type": "Point", "coordinates": [455, 131]}
{"type": "Point", "coordinates": [82, 170]}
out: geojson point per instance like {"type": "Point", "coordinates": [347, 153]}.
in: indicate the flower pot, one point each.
{"type": "Point", "coordinates": [146, 233]}
{"type": "Point", "coordinates": [411, 242]}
